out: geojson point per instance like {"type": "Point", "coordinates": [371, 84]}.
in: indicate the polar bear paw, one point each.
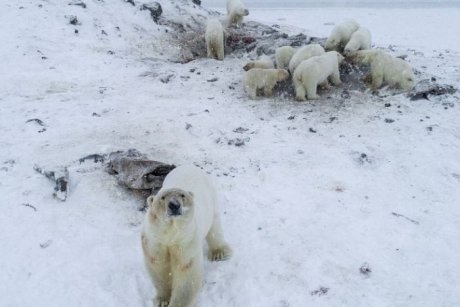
{"type": "Point", "coordinates": [219, 254]}
{"type": "Point", "coordinates": [160, 302]}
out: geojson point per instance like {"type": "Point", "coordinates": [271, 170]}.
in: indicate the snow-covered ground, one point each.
{"type": "Point", "coordinates": [318, 191]}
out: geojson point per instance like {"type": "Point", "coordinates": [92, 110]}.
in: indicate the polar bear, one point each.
{"type": "Point", "coordinates": [264, 62]}
{"type": "Point", "coordinates": [340, 35]}
{"type": "Point", "coordinates": [359, 40]}
{"type": "Point", "coordinates": [235, 12]}
{"type": "Point", "coordinates": [315, 71]}
{"type": "Point", "coordinates": [304, 53]}
{"type": "Point", "coordinates": [283, 56]}
{"type": "Point", "coordinates": [179, 218]}
{"type": "Point", "coordinates": [263, 79]}
{"type": "Point", "coordinates": [386, 69]}
{"type": "Point", "coordinates": [214, 37]}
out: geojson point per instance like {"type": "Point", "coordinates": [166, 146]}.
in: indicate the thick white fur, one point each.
{"type": "Point", "coordinates": [235, 12]}
{"type": "Point", "coordinates": [316, 71]}
{"type": "Point", "coordinates": [386, 69]}
{"type": "Point", "coordinates": [214, 37]}
{"type": "Point", "coordinates": [283, 56]}
{"type": "Point", "coordinates": [173, 244]}
{"type": "Point", "coordinates": [360, 40]}
{"type": "Point", "coordinates": [263, 79]}
{"type": "Point", "coordinates": [340, 35]}
{"type": "Point", "coordinates": [264, 62]}
{"type": "Point", "coordinates": [303, 54]}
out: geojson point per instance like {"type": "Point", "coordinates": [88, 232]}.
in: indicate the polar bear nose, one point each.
{"type": "Point", "coordinates": [174, 208]}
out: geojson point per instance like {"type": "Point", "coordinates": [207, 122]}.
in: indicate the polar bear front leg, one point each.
{"type": "Point", "coordinates": [239, 21]}
{"type": "Point", "coordinates": [335, 78]}
{"type": "Point", "coordinates": [161, 278]}
{"type": "Point", "coordinates": [252, 92]}
{"type": "Point", "coordinates": [377, 79]}
{"type": "Point", "coordinates": [268, 91]}
{"type": "Point", "coordinates": [325, 85]}
{"type": "Point", "coordinates": [218, 249]}
{"type": "Point", "coordinates": [187, 279]}
{"type": "Point", "coordinates": [209, 50]}
{"type": "Point", "coordinates": [162, 281]}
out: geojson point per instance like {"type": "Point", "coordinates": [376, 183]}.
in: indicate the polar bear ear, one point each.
{"type": "Point", "coordinates": [150, 200]}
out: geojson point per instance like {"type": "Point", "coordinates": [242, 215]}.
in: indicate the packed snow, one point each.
{"type": "Point", "coordinates": [351, 202]}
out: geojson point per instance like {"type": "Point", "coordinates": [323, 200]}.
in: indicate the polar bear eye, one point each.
{"type": "Point", "coordinates": [182, 195]}
{"type": "Point", "coordinates": [163, 198]}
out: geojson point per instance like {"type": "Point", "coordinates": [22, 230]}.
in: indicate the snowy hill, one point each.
{"type": "Point", "coordinates": [344, 201]}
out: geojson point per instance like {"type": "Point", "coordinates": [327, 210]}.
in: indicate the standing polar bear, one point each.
{"type": "Point", "coordinates": [315, 71]}
{"type": "Point", "coordinates": [340, 35]}
{"type": "Point", "coordinates": [263, 79]}
{"type": "Point", "coordinates": [386, 69]}
{"type": "Point", "coordinates": [214, 37]}
{"type": "Point", "coordinates": [360, 40]}
{"type": "Point", "coordinates": [304, 53]}
{"type": "Point", "coordinates": [179, 218]}
{"type": "Point", "coordinates": [235, 12]}
{"type": "Point", "coordinates": [283, 56]}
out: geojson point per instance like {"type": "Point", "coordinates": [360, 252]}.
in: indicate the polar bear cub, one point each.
{"type": "Point", "coordinates": [303, 54]}
{"type": "Point", "coordinates": [235, 12]}
{"type": "Point", "coordinates": [340, 35]}
{"type": "Point", "coordinates": [263, 62]}
{"type": "Point", "coordinates": [316, 71]}
{"type": "Point", "coordinates": [283, 56]}
{"type": "Point", "coordinates": [214, 37]}
{"type": "Point", "coordinates": [386, 69]}
{"type": "Point", "coordinates": [360, 40]}
{"type": "Point", "coordinates": [263, 79]}
{"type": "Point", "coordinates": [179, 218]}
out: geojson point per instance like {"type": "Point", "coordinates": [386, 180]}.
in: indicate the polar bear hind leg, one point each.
{"type": "Point", "coordinates": [311, 91]}
{"type": "Point", "coordinates": [220, 54]}
{"type": "Point", "coordinates": [299, 89]}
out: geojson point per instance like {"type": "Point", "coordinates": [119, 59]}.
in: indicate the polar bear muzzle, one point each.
{"type": "Point", "coordinates": [174, 207]}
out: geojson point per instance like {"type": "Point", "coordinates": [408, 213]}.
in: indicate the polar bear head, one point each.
{"type": "Point", "coordinates": [332, 42]}
{"type": "Point", "coordinates": [340, 57]}
{"type": "Point", "coordinates": [249, 66]}
{"type": "Point", "coordinates": [407, 81]}
{"type": "Point", "coordinates": [171, 207]}
{"type": "Point", "coordinates": [243, 12]}
{"type": "Point", "coordinates": [351, 47]}
{"type": "Point", "coordinates": [238, 8]}
{"type": "Point", "coordinates": [282, 74]}
{"type": "Point", "coordinates": [335, 54]}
